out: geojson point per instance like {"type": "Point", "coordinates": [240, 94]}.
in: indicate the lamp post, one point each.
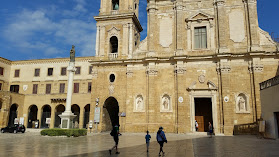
{"type": "Point", "coordinates": [67, 116]}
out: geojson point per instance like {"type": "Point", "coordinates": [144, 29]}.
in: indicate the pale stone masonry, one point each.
{"type": "Point", "coordinates": [201, 60]}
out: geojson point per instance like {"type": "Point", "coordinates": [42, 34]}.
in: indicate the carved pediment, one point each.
{"type": "Point", "coordinates": [113, 31]}
{"type": "Point", "coordinates": [200, 16]}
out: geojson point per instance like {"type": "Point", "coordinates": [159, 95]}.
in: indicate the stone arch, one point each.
{"type": "Point", "coordinates": [76, 110]}
{"type": "Point", "coordinates": [113, 44]}
{"type": "Point", "coordinates": [115, 4]}
{"type": "Point", "coordinates": [46, 113]}
{"type": "Point", "coordinates": [32, 116]}
{"type": "Point", "coordinates": [86, 115]}
{"type": "Point", "coordinates": [12, 114]}
{"type": "Point", "coordinates": [110, 111]}
{"type": "Point", "coordinates": [58, 110]}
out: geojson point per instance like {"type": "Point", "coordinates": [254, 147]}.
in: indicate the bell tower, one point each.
{"type": "Point", "coordinates": [118, 29]}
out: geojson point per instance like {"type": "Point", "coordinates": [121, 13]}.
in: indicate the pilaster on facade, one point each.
{"type": "Point", "coordinates": [151, 70]}
{"type": "Point", "coordinates": [220, 3]}
{"type": "Point", "coordinates": [94, 73]}
{"type": "Point", "coordinates": [223, 68]}
{"type": "Point", "coordinates": [255, 68]}
{"type": "Point", "coordinates": [179, 69]}
{"type": "Point", "coordinates": [129, 72]}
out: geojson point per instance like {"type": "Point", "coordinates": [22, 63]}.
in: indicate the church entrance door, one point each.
{"type": "Point", "coordinates": [203, 113]}
{"type": "Point", "coordinates": [111, 111]}
{"type": "Point", "coordinates": [277, 119]}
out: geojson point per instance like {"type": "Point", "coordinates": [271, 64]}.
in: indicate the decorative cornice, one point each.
{"type": "Point", "coordinates": [120, 16]}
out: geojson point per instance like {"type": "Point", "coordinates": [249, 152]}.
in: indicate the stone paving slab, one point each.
{"type": "Point", "coordinates": [133, 145]}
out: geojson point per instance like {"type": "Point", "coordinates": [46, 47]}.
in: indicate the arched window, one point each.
{"type": "Point", "coordinates": [115, 4]}
{"type": "Point", "coordinates": [114, 44]}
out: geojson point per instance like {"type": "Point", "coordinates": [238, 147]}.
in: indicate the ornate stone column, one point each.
{"type": "Point", "coordinates": [67, 116]}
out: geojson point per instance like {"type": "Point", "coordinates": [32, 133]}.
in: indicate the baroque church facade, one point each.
{"type": "Point", "coordinates": [201, 60]}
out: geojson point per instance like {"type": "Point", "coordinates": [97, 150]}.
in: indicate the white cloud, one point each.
{"type": "Point", "coordinates": [41, 31]}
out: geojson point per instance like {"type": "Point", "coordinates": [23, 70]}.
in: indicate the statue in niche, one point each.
{"type": "Point", "coordinates": [241, 103]}
{"type": "Point", "coordinates": [72, 54]}
{"type": "Point", "coordinates": [139, 104]}
{"type": "Point", "coordinates": [166, 102]}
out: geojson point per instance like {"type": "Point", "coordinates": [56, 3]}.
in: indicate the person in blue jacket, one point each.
{"type": "Point", "coordinates": [161, 139]}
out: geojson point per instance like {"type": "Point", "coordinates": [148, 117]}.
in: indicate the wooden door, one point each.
{"type": "Point", "coordinates": [200, 120]}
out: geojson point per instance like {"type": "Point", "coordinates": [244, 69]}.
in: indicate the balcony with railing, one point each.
{"type": "Point", "coordinates": [113, 56]}
{"type": "Point", "coordinates": [269, 83]}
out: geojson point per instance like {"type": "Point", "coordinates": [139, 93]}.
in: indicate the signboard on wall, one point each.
{"type": "Point", "coordinates": [48, 120]}
{"type": "Point", "coordinates": [21, 120]}
{"type": "Point", "coordinates": [97, 115]}
{"type": "Point", "coordinates": [16, 121]}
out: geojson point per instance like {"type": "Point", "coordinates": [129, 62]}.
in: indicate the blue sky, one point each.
{"type": "Point", "coordinates": [36, 29]}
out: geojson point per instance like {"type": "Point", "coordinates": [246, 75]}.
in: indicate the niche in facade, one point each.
{"type": "Point", "coordinates": [115, 4]}
{"type": "Point", "coordinates": [114, 44]}
{"type": "Point", "coordinates": [242, 104]}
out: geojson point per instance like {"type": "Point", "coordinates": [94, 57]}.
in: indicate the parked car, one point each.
{"type": "Point", "coordinates": [14, 129]}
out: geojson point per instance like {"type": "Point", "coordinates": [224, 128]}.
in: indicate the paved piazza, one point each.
{"type": "Point", "coordinates": [133, 145]}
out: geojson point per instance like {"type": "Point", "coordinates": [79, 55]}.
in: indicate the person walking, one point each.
{"type": "Point", "coordinates": [210, 128]}
{"type": "Point", "coordinates": [161, 138]}
{"type": "Point", "coordinates": [147, 138]}
{"type": "Point", "coordinates": [196, 125]}
{"type": "Point", "coordinates": [115, 134]}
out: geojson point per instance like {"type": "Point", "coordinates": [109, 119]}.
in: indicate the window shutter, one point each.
{"type": "Point", "coordinates": [1, 71]}
{"type": "Point", "coordinates": [76, 87]}
{"type": "Point", "coordinates": [89, 87]}
{"type": "Point", "coordinates": [35, 88]}
{"type": "Point", "coordinates": [62, 88]}
{"type": "Point", "coordinates": [48, 88]}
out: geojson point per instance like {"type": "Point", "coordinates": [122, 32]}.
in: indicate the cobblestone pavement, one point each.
{"type": "Point", "coordinates": [32, 144]}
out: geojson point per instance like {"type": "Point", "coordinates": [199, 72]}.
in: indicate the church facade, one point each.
{"type": "Point", "coordinates": [201, 60]}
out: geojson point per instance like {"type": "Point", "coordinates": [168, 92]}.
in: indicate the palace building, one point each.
{"type": "Point", "coordinates": [201, 60]}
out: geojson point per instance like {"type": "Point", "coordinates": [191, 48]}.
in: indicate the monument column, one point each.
{"type": "Point", "coordinates": [67, 116]}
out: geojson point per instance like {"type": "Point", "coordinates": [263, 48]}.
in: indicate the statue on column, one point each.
{"type": "Point", "coordinates": [72, 54]}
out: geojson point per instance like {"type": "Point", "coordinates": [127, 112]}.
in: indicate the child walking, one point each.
{"type": "Point", "coordinates": [147, 137]}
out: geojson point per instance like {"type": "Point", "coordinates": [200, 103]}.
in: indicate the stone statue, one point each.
{"type": "Point", "coordinates": [139, 104]}
{"type": "Point", "coordinates": [241, 103]}
{"type": "Point", "coordinates": [72, 54]}
{"type": "Point", "coordinates": [165, 103]}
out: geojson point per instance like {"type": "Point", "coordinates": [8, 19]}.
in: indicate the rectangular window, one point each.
{"type": "Point", "coordinates": [14, 88]}
{"type": "Point", "coordinates": [62, 88]}
{"type": "Point", "coordinates": [0, 86]}
{"type": "Point", "coordinates": [17, 73]}
{"type": "Point", "coordinates": [63, 71]}
{"type": "Point", "coordinates": [89, 87]}
{"type": "Point", "coordinates": [90, 69]}
{"type": "Point", "coordinates": [77, 70]}
{"type": "Point", "coordinates": [35, 89]}
{"type": "Point", "coordinates": [1, 71]}
{"type": "Point", "coordinates": [37, 72]}
{"type": "Point", "coordinates": [48, 88]}
{"type": "Point", "coordinates": [200, 38]}
{"type": "Point", "coordinates": [49, 71]}
{"type": "Point", "coordinates": [76, 87]}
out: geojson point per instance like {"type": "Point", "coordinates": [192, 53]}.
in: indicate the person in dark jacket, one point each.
{"type": "Point", "coordinates": [161, 138]}
{"type": "Point", "coordinates": [115, 134]}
